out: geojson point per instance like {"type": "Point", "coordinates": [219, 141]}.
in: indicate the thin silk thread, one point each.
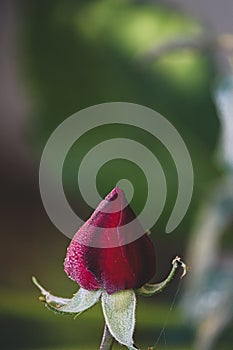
{"type": "Point", "coordinates": [162, 332]}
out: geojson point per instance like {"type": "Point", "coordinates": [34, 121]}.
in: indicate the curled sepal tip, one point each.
{"type": "Point", "coordinates": [80, 302]}
{"type": "Point", "coordinates": [119, 314]}
{"type": "Point", "coordinates": [47, 296]}
{"type": "Point", "coordinates": [151, 289]}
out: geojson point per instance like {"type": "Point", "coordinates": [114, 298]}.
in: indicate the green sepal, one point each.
{"type": "Point", "coordinates": [81, 301]}
{"type": "Point", "coordinates": [119, 314]}
{"type": "Point", "coordinates": [47, 297]}
{"type": "Point", "coordinates": [150, 289]}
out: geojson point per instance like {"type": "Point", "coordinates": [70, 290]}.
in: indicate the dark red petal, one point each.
{"type": "Point", "coordinates": [75, 266]}
{"type": "Point", "coordinates": [121, 267]}
{"type": "Point", "coordinates": [125, 267]}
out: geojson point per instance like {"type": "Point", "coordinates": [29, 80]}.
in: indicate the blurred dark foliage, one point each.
{"type": "Point", "coordinates": [67, 67]}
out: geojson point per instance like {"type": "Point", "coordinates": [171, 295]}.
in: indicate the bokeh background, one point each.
{"type": "Point", "coordinates": [58, 57]}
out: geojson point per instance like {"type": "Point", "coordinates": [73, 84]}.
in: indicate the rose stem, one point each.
{"type": "Point", "coordinates": [107, 340]}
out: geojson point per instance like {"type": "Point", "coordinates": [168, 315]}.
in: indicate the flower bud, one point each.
{"type": "Point", "coordinates": [113, 265]}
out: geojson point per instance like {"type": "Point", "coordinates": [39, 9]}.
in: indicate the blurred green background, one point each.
{"type": "Point", "coordinates": [65, 56]}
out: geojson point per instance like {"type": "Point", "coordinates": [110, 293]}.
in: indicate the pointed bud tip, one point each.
{"type": "Point", "coordinates": [115, 193]}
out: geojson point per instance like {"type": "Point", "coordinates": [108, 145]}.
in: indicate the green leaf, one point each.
{"type": "Point", "coordinates": [119, 314]}
{"type": "Point", "coordinates": [81, 301]}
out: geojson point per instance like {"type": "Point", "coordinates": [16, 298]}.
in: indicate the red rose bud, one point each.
{"type": "Point", "coordinates": [111, 258]}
